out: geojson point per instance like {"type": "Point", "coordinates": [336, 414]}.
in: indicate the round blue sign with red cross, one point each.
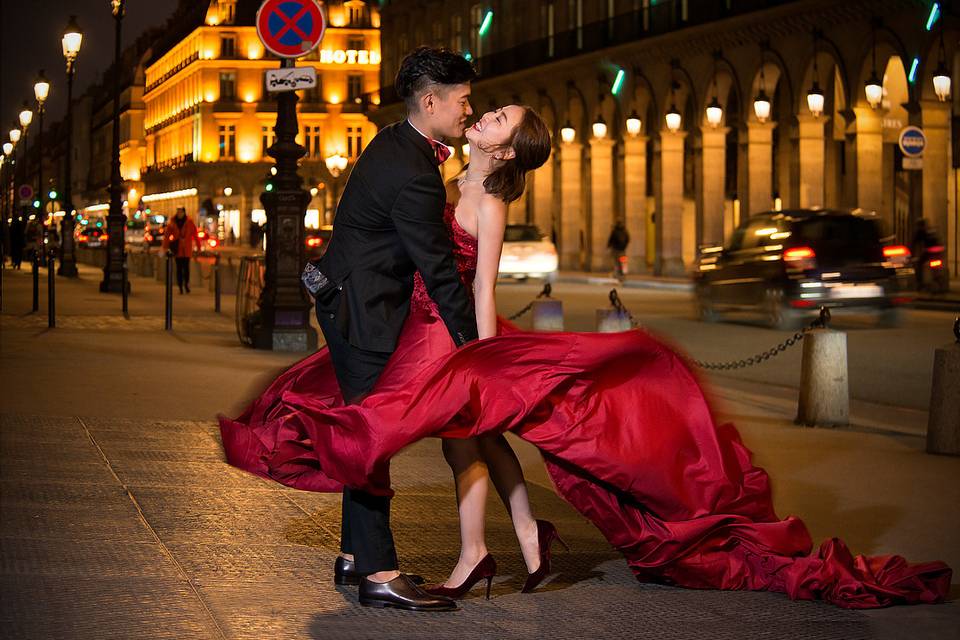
{"type": "Point", "coordinates": [291, 28]}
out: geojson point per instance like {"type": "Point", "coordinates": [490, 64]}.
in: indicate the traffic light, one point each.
{"type": "Point", "coordinates": [53, 194]}
{"type": "Point", "coordinates": [36, 204]}
{"type": "Point", "coordinates": [269, 186]}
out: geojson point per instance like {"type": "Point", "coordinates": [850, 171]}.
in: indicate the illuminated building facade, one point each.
{"type": "Point", "coordinates": [683, 117]}
{"type": "Point", "coordinates": [208, 119]}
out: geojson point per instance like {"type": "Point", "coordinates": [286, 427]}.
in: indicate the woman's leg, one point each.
{"type": "Point", "coordinates": [470, 476]}
{"type": "Point", "coordinates": [507, 476]}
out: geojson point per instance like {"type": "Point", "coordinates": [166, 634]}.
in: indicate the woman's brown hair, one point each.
{"type": "Point", "coordinates": [531, 144]}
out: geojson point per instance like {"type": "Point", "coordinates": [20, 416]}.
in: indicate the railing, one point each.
{"type": "Point", "coordinates": [186, 113]}
{"type": "Point", "coordinates": [662, 18]}
{"type": "Point", "coordinates": [172, 163]}
{"type": "Point", "coordinates": [186, 62]}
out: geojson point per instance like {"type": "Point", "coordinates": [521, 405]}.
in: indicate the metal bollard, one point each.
{"type": "Point", "coordinates": [36, 282]}
{"type": "Point", "coordinates": [51, 291]}
{"type": "Point", "coordinates": [824, 385]}
{"type": "Point", "coordinates": [612, 321]}
{"type": "Point", "coordinates": [216, 283]}
{"type": "Point", "coordinates": [125, 288]}
{"type": "Point", "coordinates": [168, 296]}
{"type": "Point", "coordinates": [943, 424]}
{"type": "Point", "coordinates": [547, 315]}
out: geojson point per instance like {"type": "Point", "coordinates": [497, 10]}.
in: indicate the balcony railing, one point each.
{"type": "Point", "coordinates": [186, 113]}
{"type": "Point", "coordinates": [172, 163]}
{"type": "Point", "coordinates": [660, 19]}
{"type": "Point", "coordinates": [172, 72]}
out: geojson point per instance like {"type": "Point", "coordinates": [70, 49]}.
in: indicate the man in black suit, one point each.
{"type": "Point", "coordinates": [389, 225]}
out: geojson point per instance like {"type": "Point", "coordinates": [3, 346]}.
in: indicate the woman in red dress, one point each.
{"type": "Point", "coordinates": [621, 420]}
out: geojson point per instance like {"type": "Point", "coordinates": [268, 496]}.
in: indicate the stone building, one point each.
{"type": "Point", "coordinates": [682, 117]}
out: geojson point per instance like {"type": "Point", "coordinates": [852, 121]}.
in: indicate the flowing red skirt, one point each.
{"type": "Point", "coordinates": [627, 436]}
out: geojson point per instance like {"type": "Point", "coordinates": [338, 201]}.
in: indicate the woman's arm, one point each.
{"type": "Point", "coordinates": [491, 221]}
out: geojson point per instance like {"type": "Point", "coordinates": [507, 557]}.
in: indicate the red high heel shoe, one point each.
{"type": "Point", "coordinates": [485, 570]}
{"type": "Point", "coordinates": [546, 534]}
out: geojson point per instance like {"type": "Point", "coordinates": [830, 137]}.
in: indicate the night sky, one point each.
{"type": "Point", "coordinates": [31, 32]}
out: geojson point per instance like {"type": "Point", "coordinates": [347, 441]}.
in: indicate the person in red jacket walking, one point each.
{"type": "Point", "coordinates": [179, 241]}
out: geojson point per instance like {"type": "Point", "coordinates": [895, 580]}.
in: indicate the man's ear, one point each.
{"type": "Point", "coordinates": [428, 102]}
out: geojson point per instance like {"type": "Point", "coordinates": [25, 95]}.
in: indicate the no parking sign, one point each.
{"type": "Point", "coordinates": [291, 28]}
{"type": "Point", "coordinates": [912, 143]}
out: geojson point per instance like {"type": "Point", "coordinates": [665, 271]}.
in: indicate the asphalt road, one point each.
{"type": "Point", "coordinates": [886, 366]}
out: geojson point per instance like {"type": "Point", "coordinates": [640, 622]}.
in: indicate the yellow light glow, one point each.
{"type": "Point", "coordinates": [213, 20]}
{"type": "Point", "coordinates": [254, 52]}
{"type": "Point", "coordinates": [333, 98]}
{"type": "Point", "coordinates": [132, 194]}
{"type": "Point", "coordinates": [249, 98]}
{"type": "Point", "coordinates": [169, 195]}
{"type": "Point", "coordinates": [208, 54]}
{"type": "Point", "coordinates": [210, 96]}
{"type": "Point", "coordinates": [134, 175]}
{"type": "Point", "coordinates": [349, 56]}
{"type": "Point", "coordinates": [337, 19]}
{"type": "Point", "coordinates": [246, 154]}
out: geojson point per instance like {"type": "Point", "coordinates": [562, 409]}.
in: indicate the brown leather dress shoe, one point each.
{"type": "Point", "coordinates": [402, 593]}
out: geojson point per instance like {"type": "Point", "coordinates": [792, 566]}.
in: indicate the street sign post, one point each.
{"type": "Point", "coordinates": [25, 193]}
{"type": "Point", "coordinates": [291, 28]}
{"type": "Point", "coordinates": [279, 80]}
{"type": "Point", "coordinates": [912, 142]}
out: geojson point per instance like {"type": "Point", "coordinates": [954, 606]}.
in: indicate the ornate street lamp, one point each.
{"type": "Point", "coordinates": [116, 222]}
{"type": "Point", "coordinates": [71, 41]}
{"type": "Point", "coordinates": [41, 89]}
{"type": "Point", "coordinates": [761, 103]}
{"type": "Point", "coordinates": [7, 149]}
{"type": "Point", "coordinates": [228, 191]}
{"type": "Point", "coordinates": [15, 135]}
{"type": "Point", "coordinates": [673, 118]}
{"type": "Point", "coordinates": [26, 116]}
{"type": "Point", "coordinates": [634, 124]}
{"type": "Point", "coordinates": [568, 133]}
{"type": "Point", "coordinates": [815, 98]}
{"type": "Point", "coordinates": [873, 89]}
{"type": "Point", "coordinates": [941, 77]}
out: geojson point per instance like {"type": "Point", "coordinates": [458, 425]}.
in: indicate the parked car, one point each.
{"type": "Point", "coordinates": [153, 230]}
{"type": "Point", "coordinates": [134, 230]}
{"type": "Point", "coordinates": [316, 241]}
{"type": "Point", "coordinates": [786, 264]}
{"type": "Point", "coordinates": [527, 253]}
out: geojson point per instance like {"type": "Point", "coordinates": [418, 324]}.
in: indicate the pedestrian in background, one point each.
{"type": "Point", "coordinates": [617, 245]}
{"type": "Point", "coordinates": [179, 241]}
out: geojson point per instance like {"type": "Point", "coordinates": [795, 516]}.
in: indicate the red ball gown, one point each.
{"type": "Point", "coordinates": [625, 431]}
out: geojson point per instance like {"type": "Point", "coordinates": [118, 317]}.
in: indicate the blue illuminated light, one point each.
{"type": "Point", "coordinates": [618, 82]}
{"type": "Point", "coordinates": [487, 21]}
{"type": "Point", "coordinates": [934, 15]}
{"type": "Point", "coordinates": [913, 70]}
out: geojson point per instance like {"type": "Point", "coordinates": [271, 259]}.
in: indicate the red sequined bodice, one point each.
{"type": "Point", "coordinates": [465, 254]}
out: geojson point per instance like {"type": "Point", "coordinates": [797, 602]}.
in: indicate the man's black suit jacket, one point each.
{"type": "Point", "coordinates": [389, 224]}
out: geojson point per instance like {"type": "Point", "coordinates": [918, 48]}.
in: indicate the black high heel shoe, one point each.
{"type": "Point", "coordinates": [485, 570]}
{"type": "Point", "coordinates": [546, 534]}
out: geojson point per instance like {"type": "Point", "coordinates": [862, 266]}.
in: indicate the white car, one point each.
{"type": "Point", "coordinates": [527, 253]}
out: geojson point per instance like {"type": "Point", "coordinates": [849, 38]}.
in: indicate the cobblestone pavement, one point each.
{"type": "Point", "coordinates": [115, 528]}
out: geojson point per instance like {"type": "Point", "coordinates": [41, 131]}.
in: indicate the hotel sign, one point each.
{"type": "Point", "coordinates": [349, 56]}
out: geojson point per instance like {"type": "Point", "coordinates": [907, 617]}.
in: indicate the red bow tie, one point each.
{"type": "Point", "coordinates": [442, 151]}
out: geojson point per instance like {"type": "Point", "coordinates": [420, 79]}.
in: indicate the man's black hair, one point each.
{"type": "Point", "coordinates": [426, 66]}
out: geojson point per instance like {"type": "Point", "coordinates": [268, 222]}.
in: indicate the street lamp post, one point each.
{"type": "Point", "coordinates": [41, 89]}
{"type": "Point", "coordinates": [284, 319]}
{"type": "Point", "coordinates": [72, 38]}
{"type": "Point", "coordinates": [26, 117]}
{"type": "Point", "coordinates": [116, 222]}
{"type": "Point", "coordinates": [335, 165]}
{"type": "Point", "coordinates": [7, 213]}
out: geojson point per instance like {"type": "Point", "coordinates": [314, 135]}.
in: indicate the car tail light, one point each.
{"type": "Point", "coordinates": [148, 237]}
{"type": "Point", "coordinates": [896, 251]}
{"type": "Point", "coordinates": [803, 304]}
{"type": "Point", "coordinates": [201, 234]}
{"type": "Point", "coordinates": [314, 242]}
{"type": "Point", "coordinates": [800, 257]}
{"type": "Point", "coordinates": [83, 239]}
{"type": "Point", "coordinates": [213, 243]}
{"type": "Point", "coordinates": [104, 237]}
{"type": "Point", "coordinates": [936, 264]}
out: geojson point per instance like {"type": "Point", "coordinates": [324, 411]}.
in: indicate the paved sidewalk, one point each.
{"type": "Point", "coordinates": [120, 518]}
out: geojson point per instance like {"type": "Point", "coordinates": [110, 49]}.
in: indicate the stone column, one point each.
{"type": "Point", "coordinates": [936, 166]}
{"type": "Point", "coordinates": [635, 200]}
{"type": "Point", "coordinates": [671, 199]}
{"type": "Point", "coordinates": [601, 202]}
{"type": "Point", "coordinates": [571, 212]}
{"type": "Point", "coordinates": [517, 210]}
{"type": "Point", "coordinates": [543, 198]}
{"type": "Point", "coordinates": [714, 167]}
{"type": "Point", "coordinates": [759, 167]}
{"type": "Point", "coordinates": [812, 158]}
{"type": "Point", "coordinates": [869, 159]}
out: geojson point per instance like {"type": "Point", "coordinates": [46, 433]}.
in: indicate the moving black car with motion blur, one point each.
{"type": "Point", "coordinates": [787, 264]}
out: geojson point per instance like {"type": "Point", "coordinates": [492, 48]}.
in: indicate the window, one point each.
{"type": "Point", "coordinates": [357, 43]}
{"type": "Point", "coordinates": [476, 19]}
{"type": "Point", "coordinates": [354, 141]}
{"type": "Point", "coordinates": [547, 13]}
{"type": "Point", "coordinates": [358, 12]}
{"type": "Point", "coordinates": [456, 33]}
{"type": "Point", "coordinates": [354, 87]}
{"type": "Point", "coordinates": [438, 33]}
{"type": "Point", "coordinates": [311, 140]}
{"type": "Point", "coordinates": [266, 139]}
{"type": "Point", "coordinates": [228, 141]}
{"type": "Point", "coordinates": [228, 86]}
{"type": "Point", "coordinates": [228, 46]}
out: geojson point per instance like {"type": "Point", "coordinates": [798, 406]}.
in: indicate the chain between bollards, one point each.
{"type": "Point", "coordinates": [544, 293]}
